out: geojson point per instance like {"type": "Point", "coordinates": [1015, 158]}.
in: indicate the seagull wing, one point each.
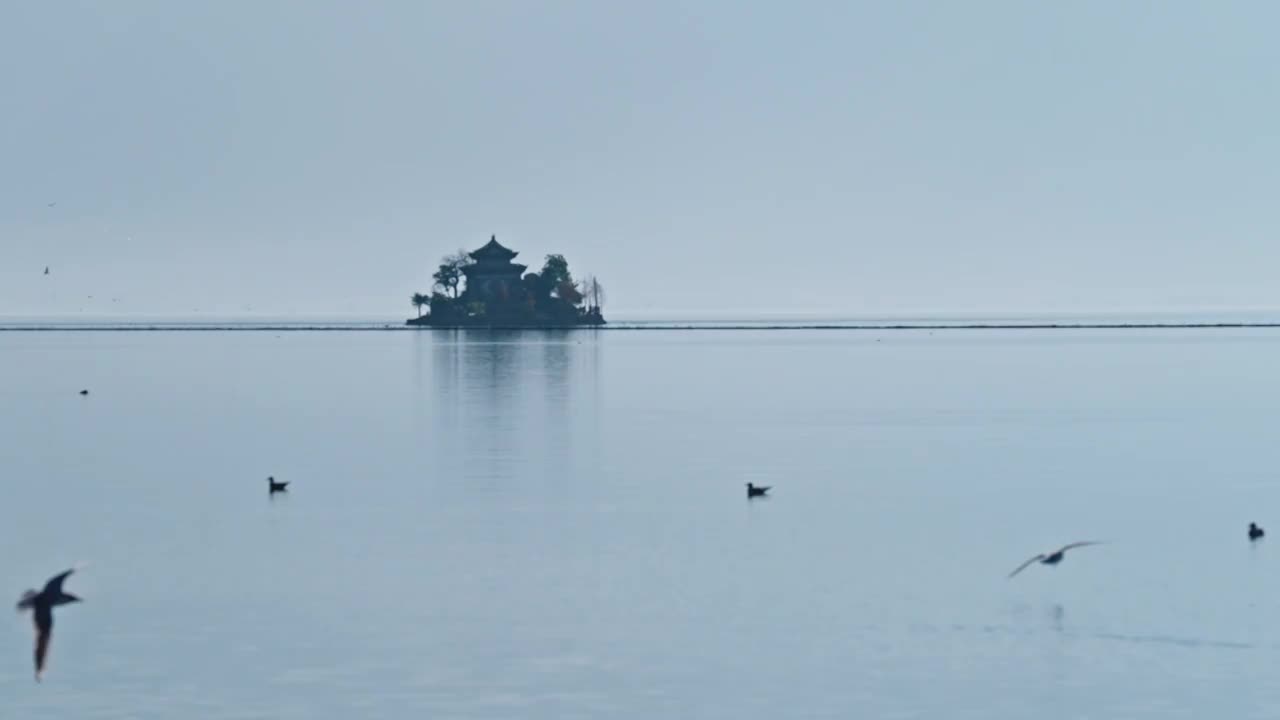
{"type": "Point", "coordinates": [53, 588]}
{"type": "Point", "coordinates": [44, 632]}
{"type": "Point", "coordinates": [1065, 548]}
{"type": "Point", "coordinates": [28, 600]}
{"type": "Point", "coordinates": [1024, 565]}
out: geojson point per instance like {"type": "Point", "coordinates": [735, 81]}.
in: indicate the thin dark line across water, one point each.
{"type": "Point", "coordinates": [624, 326]}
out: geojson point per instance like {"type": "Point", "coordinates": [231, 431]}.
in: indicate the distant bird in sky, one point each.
{"type": "Point", "coordinates": [42, 604]}
{"type": "Point", "coordinates": [52, 204]}
{"type": "Point", "coordinates": [84, 392]}
{"type": "Point", "coordinates": [46, 269]}
{"type": "Point", "coordinates": [1255, 532]}
{"type": "Point", "coordinates": [273, 486]}
{"type": "Point", "coordinates": [757, 490]}
{"type": "Point", "coordinates": [1052, 558]}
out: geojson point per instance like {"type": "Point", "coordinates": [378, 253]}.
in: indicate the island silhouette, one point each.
{"type": "Point", "coordinates": [484, 288]}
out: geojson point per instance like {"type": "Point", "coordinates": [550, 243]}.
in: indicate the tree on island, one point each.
{"type": "Point", "coordinates": [593, 292]}
{"type": "Point", "coordinates": [450, 274]}
{"type": "Point", "coordinates": [555, 271]}
{"type": "Point", "coordinates": [418, 300]}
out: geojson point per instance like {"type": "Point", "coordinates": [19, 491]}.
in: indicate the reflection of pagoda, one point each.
{"type": "Point", "coordinates": [493, 275]}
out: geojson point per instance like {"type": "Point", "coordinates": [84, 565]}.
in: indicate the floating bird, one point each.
{"type": "Point", "coordinates": [84, 392]}
{"type": "Point", "coordinates": [42, 604]}
{"type": "Point", "coordinates": [757, 490]}
{"type": "Point", "coordinates": [52, 204]}
{"type": "Point", "coordinates": [274, 487]}
{"type": "Point", "coordinates": [46, 269]}
{"type": "Point", "coordinates": [1255, 532]}
{"type": "Point", "coordinates": [1052, 558]}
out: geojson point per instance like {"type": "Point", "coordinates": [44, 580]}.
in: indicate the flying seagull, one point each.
{"type": "Point", "coordinates": [42, 604]}
{"type": "Point", "coordinates": [274, 487]}
{"type": "Point", "coordinates": [1255, 532]}
{"type": "Point", "coordinates": [1054, 557]}
{"type": "Point", "coordinates": [757, 490]}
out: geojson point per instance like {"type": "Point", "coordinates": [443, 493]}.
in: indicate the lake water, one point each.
{"type": "Point", "coordinates": [554, 525]}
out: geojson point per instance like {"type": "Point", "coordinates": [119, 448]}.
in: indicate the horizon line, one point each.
{"type": "Point", "coordinates": [623, 326]}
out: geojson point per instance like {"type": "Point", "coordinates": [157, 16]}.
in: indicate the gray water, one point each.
{"type": "Point", "coordinates": [554, 525]}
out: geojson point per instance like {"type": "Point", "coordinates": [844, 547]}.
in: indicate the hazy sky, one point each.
{"type": "Point", "coordinates": [858, 157]}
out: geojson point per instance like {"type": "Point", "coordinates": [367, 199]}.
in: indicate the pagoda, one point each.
{"type": "Point", "coordinates": [493, 275]}
{"type": "Point", "coordinates": [498, 293]}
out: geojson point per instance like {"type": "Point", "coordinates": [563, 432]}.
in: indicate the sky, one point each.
{"type": "Point", "coordinates": [715, 157]}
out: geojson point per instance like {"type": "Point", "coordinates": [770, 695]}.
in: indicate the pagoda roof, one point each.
{"type": "Point", "coordinates": [493, 250]}
{"type": "Point", "coordinates": [515, 270]}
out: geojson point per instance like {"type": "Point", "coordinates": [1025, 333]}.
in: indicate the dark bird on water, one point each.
{"type": "Point", "coordinates": [42, 604]}
{"type": "Point", "coordinates": [1255, 532]}
{"type": "Point", "coordinates": [84, 392]}
{"type": "Point", "coordinates": [1052, 558]}
{"type": "Point", "coordinates": [757, 490]}
{"type": "Point", "coordinates": [274, 487]}
{"type": "Point", "coordinates": [46, 269]}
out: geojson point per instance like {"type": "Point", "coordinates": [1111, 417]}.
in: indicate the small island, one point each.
{"type": "Point", "coordinates": [484, 288]}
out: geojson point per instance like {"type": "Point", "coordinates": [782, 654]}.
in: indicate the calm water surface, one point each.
{"type": "Point", "coordinates": [554, 525]}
